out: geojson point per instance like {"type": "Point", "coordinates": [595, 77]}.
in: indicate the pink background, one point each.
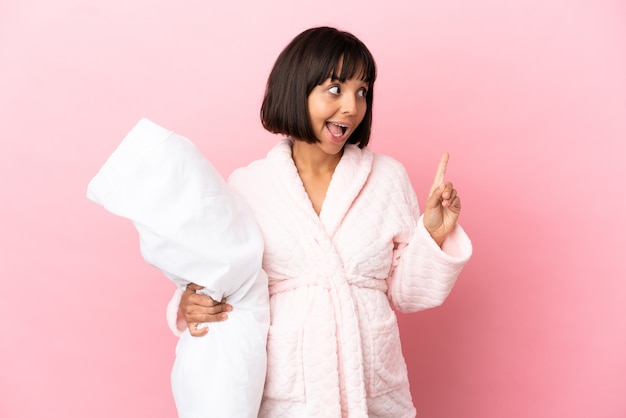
{"type": "Point", "coordinates": [529, 97]}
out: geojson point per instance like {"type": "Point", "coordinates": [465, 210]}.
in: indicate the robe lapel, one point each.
{"type": "Point", "coordinates": [290, 190]}
{"type": "Point", "coordinates": [347, 182]}
{"type": "Point", "coordinates": [348, 179]}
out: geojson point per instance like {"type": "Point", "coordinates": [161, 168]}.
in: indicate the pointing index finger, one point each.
{"type": "Point", "coordinates": [441, 171]}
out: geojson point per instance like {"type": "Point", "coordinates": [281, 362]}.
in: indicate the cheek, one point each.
{"type": "Point", "coordinates": [315, 108]}
{"type": "Point", "coordinates": [362, 111]}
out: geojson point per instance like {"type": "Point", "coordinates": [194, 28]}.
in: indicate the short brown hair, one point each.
{"type": "Point", "coordinates": [310, 58]}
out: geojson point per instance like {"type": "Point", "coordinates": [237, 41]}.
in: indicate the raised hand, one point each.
{"type": "Point", "coordinates": [443, 205]}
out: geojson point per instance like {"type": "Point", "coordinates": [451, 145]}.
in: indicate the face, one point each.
{"type": "Point", "coordinates": [336, 109]}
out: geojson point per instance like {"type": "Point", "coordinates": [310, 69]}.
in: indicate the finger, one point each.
{"type": "Point", "coordinates": [438, 195]}
{"type": "Point", "coordinates": [201, 299]}
{"type": "Point", "coordinates": [196, 331]}
{"type": "Point", "coordinates": [193, 309]}
{"type": "Point", "coordinates": [220, 308]}
{"type": "Point", "coordinates": [455, 204]}
{"type": "Point", "coordinates": [194, 287]}
{"type": "Point", "coordinates": [448, 197]}
{"type": "Point", "coordinates": [196, 313]}
{"type": "Point", "coordinates": [203, 317]}
{"type": "Point", "coordinates": [441, 172]}
{"type": "Point", "coordinates": [446, 190]}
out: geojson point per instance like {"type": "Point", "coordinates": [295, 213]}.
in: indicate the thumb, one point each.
{"type": "Point", "coordinates": [194, 287]}
{"type": "Point", "coordinates": [197, 331]}
{"type": "Point", "coordinates": [435, 197]}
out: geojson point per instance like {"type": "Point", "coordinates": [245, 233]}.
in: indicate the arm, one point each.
{"type": "Point", "coordinates": [424, 273]}
{"type": "Point", "coordinates": [427, 263]}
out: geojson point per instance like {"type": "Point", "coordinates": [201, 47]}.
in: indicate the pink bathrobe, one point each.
{"type": "Point", "coordinates": [333, 345]}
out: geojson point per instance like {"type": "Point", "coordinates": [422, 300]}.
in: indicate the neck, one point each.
{"type": "Point", "coordinates": [312, 159]}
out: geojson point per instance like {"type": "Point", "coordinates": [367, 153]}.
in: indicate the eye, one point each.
{"type": "Point", "coordinates": [334, 90]}
{"type": "Point", "coordinates": [362, 92]}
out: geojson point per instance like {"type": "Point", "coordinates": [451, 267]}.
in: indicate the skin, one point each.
{"type": "Point", "coordinates": [344, 104]}
{"type": "Point", "coordinates": [331, 102]}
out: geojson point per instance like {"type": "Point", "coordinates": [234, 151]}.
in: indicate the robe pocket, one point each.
{"type": "Point", "coordinates": [386, 369]}
{"type": "Point", "coordinates": [285, 372]}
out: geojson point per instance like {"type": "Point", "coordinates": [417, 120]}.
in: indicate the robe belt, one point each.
{"type": "Point", "coordinates": [351, 387]}
{"type": "Point", "coordinates": [286, 285]}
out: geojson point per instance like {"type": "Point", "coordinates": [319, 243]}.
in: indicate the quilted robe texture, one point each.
{"type": "Point", "coordinates": [333, 345]}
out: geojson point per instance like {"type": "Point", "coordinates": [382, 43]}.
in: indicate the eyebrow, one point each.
{"type": "Point", "coordinates": [332, 78]}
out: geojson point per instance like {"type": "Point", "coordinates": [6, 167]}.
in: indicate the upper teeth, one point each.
{"type": "Point", "coordinates": [343, 129]}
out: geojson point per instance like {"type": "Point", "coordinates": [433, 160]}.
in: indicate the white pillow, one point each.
{"type": "Point", "coordinates": [194, 228]}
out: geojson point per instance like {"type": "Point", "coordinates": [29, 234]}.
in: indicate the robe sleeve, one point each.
{"type": "Point", "coordinates": [175, 323]}
{"type": "Point", "coordinates": [423, 274]}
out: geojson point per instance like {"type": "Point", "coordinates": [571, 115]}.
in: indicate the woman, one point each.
{"type": "Point", "coordinates": [343, 238]}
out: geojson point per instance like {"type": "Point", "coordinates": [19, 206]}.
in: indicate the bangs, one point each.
{"type": "Point", "coordinates": [354, 65]}
{"type": "Point", "coordinates": [344, 58]}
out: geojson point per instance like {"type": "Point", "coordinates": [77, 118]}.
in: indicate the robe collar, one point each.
{"type": "Point", "coordinates": [347, 181]}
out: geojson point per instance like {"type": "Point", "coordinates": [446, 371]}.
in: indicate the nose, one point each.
{"type": "Point", "coordinates": [348, 104]}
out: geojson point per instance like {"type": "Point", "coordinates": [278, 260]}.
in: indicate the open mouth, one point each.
{"type": "Point", "coordinates": [336, 129]}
